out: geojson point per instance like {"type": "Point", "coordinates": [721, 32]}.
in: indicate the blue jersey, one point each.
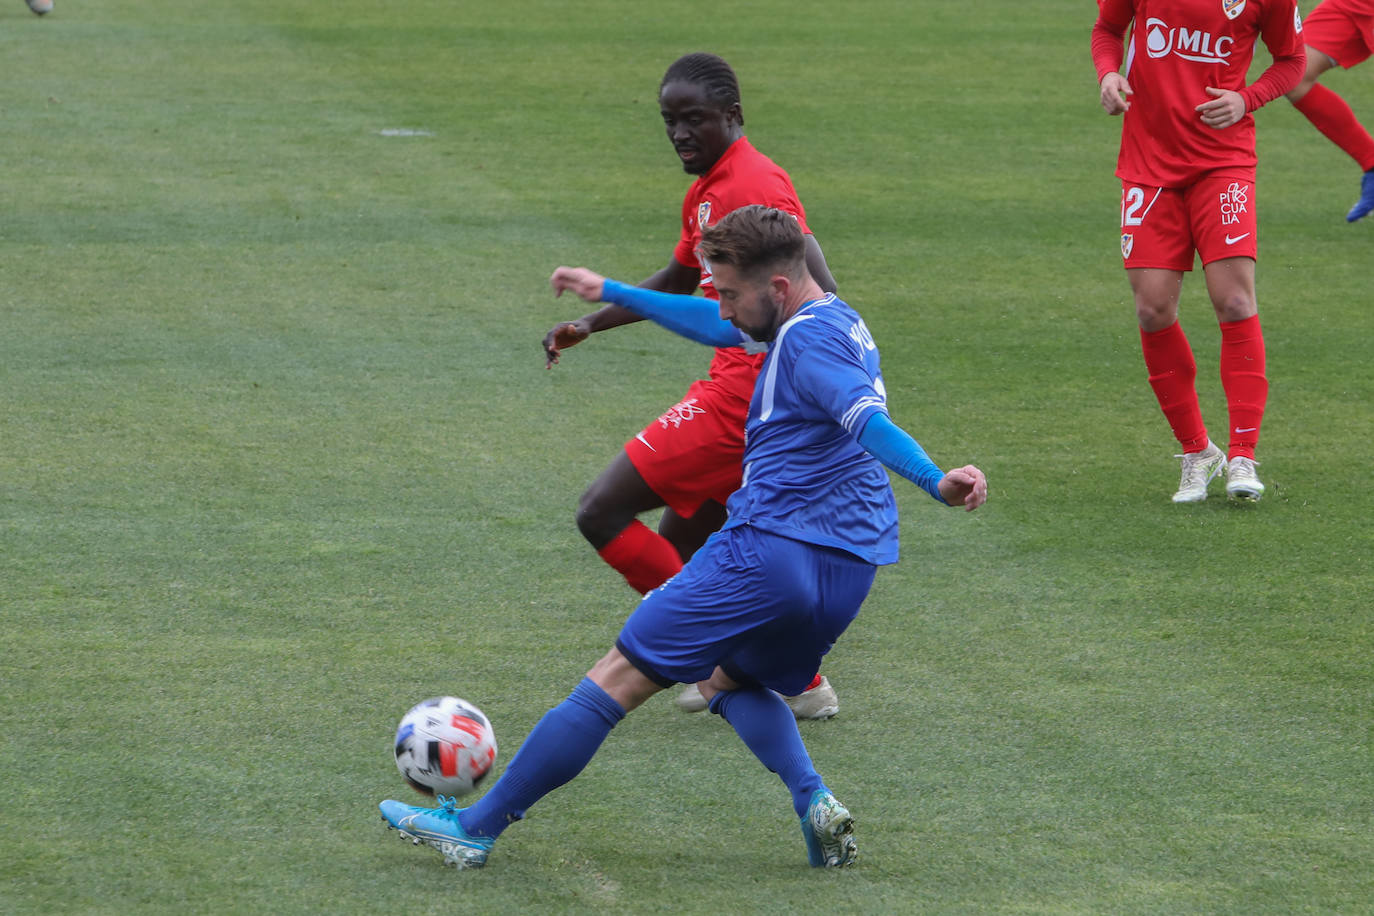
{"type": "Point", "coordinates": [805, 475]}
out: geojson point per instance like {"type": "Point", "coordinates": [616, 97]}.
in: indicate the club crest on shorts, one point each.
{"type": "Point", "coordinates": [1127, 243]}
{"type": "Point", "coordinates": [703, 214]}
{"type": "Point", "coordinates": [1232, 8]}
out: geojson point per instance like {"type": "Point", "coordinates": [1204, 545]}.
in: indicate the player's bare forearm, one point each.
{"type": "Point", "coordinates": [966, 486]}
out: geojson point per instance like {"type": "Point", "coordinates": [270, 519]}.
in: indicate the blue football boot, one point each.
{"type": "Point", "coordinates": [1365, 204]}
{"type": "Point", "coordinates": [439, 828]}
{"type": "Point", "coordinates": [828, 829]}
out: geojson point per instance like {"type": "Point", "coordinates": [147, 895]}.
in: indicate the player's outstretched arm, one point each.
{"type": "Point", "coordinates": [693, 317]}
{"type": "Point", "coordinates": [676, 277]}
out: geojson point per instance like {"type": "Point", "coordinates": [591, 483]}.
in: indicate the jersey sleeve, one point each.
{"type": "Point", "coordinates": [1281, 31]}
{"type": "Point", "coordinates": [829, 370]}
{"type": "Point", "coordinates": [1113, 18]}
{"type": "Point", "coordinates": [694, 317]}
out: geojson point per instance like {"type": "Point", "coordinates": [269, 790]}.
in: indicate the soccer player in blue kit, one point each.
{"type": "Point", "coordinates": [754, 610]}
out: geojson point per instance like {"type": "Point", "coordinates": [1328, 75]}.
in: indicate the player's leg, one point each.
{"type": "Point", "coordinates": [819, 700]}
{"type": "Point", "coordinates": [1172, 373]}
{"type": "Point", "coordinates": [557, 750]}
{"type": "Point", "coordinates": [1334, 39]}
{"type": "Point", "coordinates": [606, 516]}
{"type": "Point", "coordinates": [688, 533]}
{"type": "Point", "coordinates": [830, 587]}
{"type": "Point", "coordinates": [689, 455]}
{"type": "Point", "coordinates": [1231, 285]}
{"type": "Point", "coordinates": [1157, 249]}
{"type": "Point", "coordinates": [1226, 227]}
{"type": "Point", "coordinates": [562, 743]}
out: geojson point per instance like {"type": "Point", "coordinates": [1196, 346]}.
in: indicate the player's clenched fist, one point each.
{"type": "Point", "coordinates": [965, 486]}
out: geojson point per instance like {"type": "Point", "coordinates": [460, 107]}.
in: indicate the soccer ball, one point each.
{"type": "Point", "coordinates": [445, 746]}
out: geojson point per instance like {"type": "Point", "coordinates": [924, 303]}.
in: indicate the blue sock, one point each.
{"type": "Point", "coordinates": [560, 746]}
{"type": "Point", "coordinates": [769, 729]}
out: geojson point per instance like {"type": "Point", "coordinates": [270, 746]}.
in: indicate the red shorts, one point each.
{"type": "Point", "coordinates": [1214, 216]}
{"type": "Point", "coordinates": [1341, 31]}
{"type": "Point", "coordinates": [694, 452]}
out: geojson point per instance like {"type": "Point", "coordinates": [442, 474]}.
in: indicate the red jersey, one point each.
{"type": "Point", "coordinates": [1177, 49]}
{"type": "Point", "coordinates": [740, 177]}
{"type": "Point", "coordinates": [1358, 8]}
{"type": "Point", "coordinates": [1343, 30]}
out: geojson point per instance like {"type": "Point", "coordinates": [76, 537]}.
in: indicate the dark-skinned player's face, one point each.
{"type": "Point", "coordinates": [699, 129]}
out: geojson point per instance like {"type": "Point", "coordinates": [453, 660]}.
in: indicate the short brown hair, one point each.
{"type": "Point", "coordinates": [755, 238]}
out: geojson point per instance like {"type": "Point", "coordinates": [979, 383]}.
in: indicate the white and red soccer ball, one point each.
{"type": "Point", "coordinates": [445, 746]}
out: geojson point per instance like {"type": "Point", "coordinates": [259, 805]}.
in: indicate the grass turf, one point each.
{"type": "Point", "coordinates": [279, 457]}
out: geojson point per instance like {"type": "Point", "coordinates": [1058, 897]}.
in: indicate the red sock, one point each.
{"type": "Point", "coordinates": [1242, 377]}
{"type": "Point", "coordinates": [1169, 360]}
{"type": "Point", "coordinates": [816, 682]}
{"type": "Point", "coordinates": [1330, 114]}
{"type": "Point", "coordinates": [645, 558]}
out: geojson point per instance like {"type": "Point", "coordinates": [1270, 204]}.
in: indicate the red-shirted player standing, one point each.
{"type": "Point", "coordinates": [1339, 33]}
{"type": "Point", "coordinates": [689, 458]}
{"type": "Point", "coordinates": [1187, 170]}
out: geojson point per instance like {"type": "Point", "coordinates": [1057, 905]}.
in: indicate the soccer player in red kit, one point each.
{"type": "Point", "coordinates": [1187, 170]}
{"type": "Point", "coordinates": [1339, 33]}
{"type": "Point", "coordinates": [688, 460]}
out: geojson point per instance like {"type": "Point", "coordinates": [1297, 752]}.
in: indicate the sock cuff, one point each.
{"type": "Point", "coordinates": [627, 545]}
{"type": "Point", "coordinates": [1315, 98]}
{"type": "Point", "coordinates": [1162, 334]}
{"type": "Point", "coordinates": [590, 696]}
{"type": "Point", "coordinates": [1246, 327]}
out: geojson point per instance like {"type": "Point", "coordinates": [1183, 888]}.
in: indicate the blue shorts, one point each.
{"type": "Point", "coordinates": [763, 607]}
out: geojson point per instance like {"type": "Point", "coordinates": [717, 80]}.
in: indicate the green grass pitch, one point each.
{"type": "Point", "coordinates": [279, 458]}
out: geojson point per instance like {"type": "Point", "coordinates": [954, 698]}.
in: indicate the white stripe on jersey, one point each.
{"type": "Point", "coordinates": [770, 380]}
{"type": "Point", "coordinates": [858, 407]}
{"type": "Point", "coordinates": [1130, 51]}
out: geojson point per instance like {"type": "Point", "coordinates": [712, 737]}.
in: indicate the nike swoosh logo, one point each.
{"type": "Point", "coordinates": [1232, 241]}
{"type": "Point", "coordinates": [1248, 429]}
{"type": "Point", "coordinates": [641, 438]}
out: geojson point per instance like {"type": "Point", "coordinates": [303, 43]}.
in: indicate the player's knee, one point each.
{"type": "Point", "coordinates": [599, 520]}
{"type": "Point", "coordinates": [1235, 305]}
{"type": "Point", "coordinates": [1155, 315]}
{"type": "Point", "coordinates": [1295, 94]}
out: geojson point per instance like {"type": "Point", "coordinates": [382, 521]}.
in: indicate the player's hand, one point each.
{"type": "Point", "coordinates": [1225, 108]}
{"type": "Point", "coordinates": [586, 283]}
{"type": "Point", "coordinates": [564, 334]}
{"type": "Point", "coordinates": [965, 486]}
{"type": "Point", "coordinates": [1115, 93]}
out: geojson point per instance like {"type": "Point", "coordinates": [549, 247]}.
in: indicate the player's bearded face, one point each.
{"type": "Point", "coordinates": [752, 305]}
